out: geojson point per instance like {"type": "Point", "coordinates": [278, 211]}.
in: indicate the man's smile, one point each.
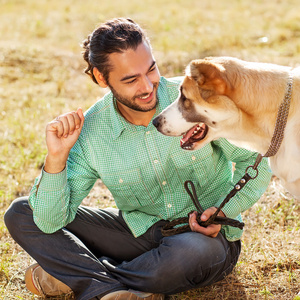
{"type": "Point", "coordinates": [145, 97]}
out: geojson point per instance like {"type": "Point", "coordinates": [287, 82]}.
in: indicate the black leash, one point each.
{"type": "Point", "coordinates": [170, 229]}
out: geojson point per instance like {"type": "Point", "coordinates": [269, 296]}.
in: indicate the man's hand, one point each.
{"type": "Point", "coordinates": [211, 230]}
{"type": "Point", "coordinates": [61, 135]}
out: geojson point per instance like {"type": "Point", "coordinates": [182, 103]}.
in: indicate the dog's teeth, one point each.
{"type": "Point", "coordinates": [188, 147]}
{"type": "Point", "coordinates": [196, 130]}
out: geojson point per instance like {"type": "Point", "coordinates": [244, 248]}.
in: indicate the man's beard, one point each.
{"type": "Point", "coordinates": [130, 102]}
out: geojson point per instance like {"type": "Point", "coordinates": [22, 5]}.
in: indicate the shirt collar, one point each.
{"type": "Point", "coordinates": [118, 122]}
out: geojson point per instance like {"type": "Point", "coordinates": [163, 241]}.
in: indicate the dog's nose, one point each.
{"type": "Point", "coordinates": [155, 122]}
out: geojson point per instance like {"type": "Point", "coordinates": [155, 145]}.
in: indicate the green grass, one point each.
{"type": "Point", "coordinates": [41, 76]}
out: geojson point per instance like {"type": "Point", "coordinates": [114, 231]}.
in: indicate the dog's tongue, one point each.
{"type": "Point", "coordinates": [188, 135]}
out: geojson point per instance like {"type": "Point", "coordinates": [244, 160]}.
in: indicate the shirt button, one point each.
{"type": "Point", "coordinates": [147, 132]}
{"type": "Point", "coordinates": [193, 157]}
{"type": "Point", "coordinates": [155, 161]}
{"type": "Point", "coordinates": [169, 205]}
{"type": "Point", "coordinates": [164, 182]}
{"type": "Point", "coordinates": [121, 180]}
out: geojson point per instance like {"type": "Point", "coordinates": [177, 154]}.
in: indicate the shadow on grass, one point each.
{"type": "Point", "coordinates": [228, 289]}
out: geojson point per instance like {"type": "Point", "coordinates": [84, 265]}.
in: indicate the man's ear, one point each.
{"type": "Point", "coordinates": [99, 77]}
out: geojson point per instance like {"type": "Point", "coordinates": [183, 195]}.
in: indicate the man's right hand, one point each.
{"type": "Point", "coordinates": [61, 135]}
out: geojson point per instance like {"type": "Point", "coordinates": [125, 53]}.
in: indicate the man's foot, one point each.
{"type": "Point", "coordinates": [132, 295]}
{"type": "Point", "coordinates": [39, 282]}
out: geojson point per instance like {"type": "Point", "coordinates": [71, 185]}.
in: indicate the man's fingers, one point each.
{"type": "Point", "coordinates": [77, 121]}
{"type": "Point", "coordinates": [56, 127]}
{"type": "Point", "coordinates": [193, 221]}
{"type": "Point", "coordinates": [79, 113]}
{"type": "Point", "coordinates": [207, 213]}
{"type": "Point", "coordinates": [211, 230]}
{"type": "Point", "coordinates": [66, 124]}
{"type": "Point", "coordinates": [73, 122]}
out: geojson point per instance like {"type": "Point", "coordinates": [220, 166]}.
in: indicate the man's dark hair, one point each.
{"type": "Point", "coordinates": [117, 35]}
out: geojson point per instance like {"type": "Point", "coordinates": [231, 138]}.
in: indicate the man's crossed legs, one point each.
{"type": "Point", "coordinates": [97, 254]}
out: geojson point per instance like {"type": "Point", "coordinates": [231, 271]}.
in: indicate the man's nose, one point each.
{"type": "Point", "coordinates": [147, 85]}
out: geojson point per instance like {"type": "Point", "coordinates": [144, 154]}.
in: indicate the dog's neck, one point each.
{"type": "Point", "coordinates": [281, 120]}
{"type": "Point", "coordinates": [262, 138]}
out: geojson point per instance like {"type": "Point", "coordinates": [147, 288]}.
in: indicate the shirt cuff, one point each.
{"type": "Point", "coordinates": [232, 209]}
{"type": "Point", "coordinates": [49, 181]}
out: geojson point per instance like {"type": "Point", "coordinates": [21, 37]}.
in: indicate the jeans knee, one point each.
{"type": "Point", "coordinates": [13, 216]}
{"type": "Point", "coordinates": [199, 249]}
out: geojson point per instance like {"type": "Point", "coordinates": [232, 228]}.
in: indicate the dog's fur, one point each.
{"type": "Point", "coordinates": [239, 100]}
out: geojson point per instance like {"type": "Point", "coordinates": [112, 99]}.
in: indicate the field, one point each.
{"type": "Point", "coordinates": [41, 76]}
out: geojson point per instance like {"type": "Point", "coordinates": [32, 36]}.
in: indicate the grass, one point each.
{"type": "Point", "coordinates": [41, 77]}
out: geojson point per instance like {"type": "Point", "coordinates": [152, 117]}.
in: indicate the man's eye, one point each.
{"type": "Point", "coordinates": [131, 81]}
{"type": "Point", "coordinates": [151, 70]}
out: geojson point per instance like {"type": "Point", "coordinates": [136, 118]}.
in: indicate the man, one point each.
{"type": "Point", "coordinates": [121, 253]}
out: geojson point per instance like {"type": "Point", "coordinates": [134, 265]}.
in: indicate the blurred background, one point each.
{"type": "Point", "coordinates": [41, 76]}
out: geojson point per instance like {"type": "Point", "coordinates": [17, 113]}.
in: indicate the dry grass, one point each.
{"type": "Point", "coordinates": [41, 77]}
{"type": "Point", "coordinates": [269, 266]}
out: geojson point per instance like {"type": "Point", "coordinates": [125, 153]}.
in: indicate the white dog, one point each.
{"type": "Point", "coordinates": [238, 100]}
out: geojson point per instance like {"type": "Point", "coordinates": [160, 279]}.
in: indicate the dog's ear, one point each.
{"type": "Point", "coordinates": [208, 75]}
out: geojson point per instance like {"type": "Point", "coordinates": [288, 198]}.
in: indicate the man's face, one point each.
{"type": "Point", "coordinates": [134, 78]}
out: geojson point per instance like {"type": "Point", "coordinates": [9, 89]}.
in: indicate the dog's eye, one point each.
{"type": "Point", "coordinates": [185, 101]}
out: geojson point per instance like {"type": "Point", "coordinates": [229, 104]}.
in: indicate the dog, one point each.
{"type": "Point", "coordinates": [238, 100]}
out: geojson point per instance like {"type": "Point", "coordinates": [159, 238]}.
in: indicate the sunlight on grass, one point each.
{"type": "Point", "coordinates": [41, 76]}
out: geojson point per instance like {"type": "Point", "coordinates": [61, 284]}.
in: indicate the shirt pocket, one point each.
{"type": "Point", "coordinates": [127, 188]}
{"type": "Point", "coordinates": [198, 164]}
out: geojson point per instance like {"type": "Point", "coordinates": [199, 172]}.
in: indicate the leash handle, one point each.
{"type": "Point", "coordinates": [193, 195]}
{"type": "Point", "coordinates": [214, 219]}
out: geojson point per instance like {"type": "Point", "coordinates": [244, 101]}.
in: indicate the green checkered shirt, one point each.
{"type": "Point", "coordinates": [145, 171]}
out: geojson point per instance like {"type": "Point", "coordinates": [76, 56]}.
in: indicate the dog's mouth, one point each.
{"type": "Point", "coordinates": [193, 135]}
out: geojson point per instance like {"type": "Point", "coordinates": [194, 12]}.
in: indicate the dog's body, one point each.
{"type": "Point", "coordinates": [239, 101]}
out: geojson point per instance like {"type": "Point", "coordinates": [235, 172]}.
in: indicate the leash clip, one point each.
{"type": "Point", "coordinates": [254, 167]}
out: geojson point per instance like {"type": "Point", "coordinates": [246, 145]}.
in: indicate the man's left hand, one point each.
{"type": "Point", "coordinates": [211, 230]}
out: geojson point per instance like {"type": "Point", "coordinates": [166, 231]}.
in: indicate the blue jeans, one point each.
{"type": "Point", "coordinates": [97, 253]}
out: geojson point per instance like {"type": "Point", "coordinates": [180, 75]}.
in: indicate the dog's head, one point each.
{"type": "Point", "coordinates": [204, 110]}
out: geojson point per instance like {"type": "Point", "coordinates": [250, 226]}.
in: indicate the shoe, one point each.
{"type": "Point", "coordinates": [39, 282]}
{"type": "Point", "coordinates": [132, 295]}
